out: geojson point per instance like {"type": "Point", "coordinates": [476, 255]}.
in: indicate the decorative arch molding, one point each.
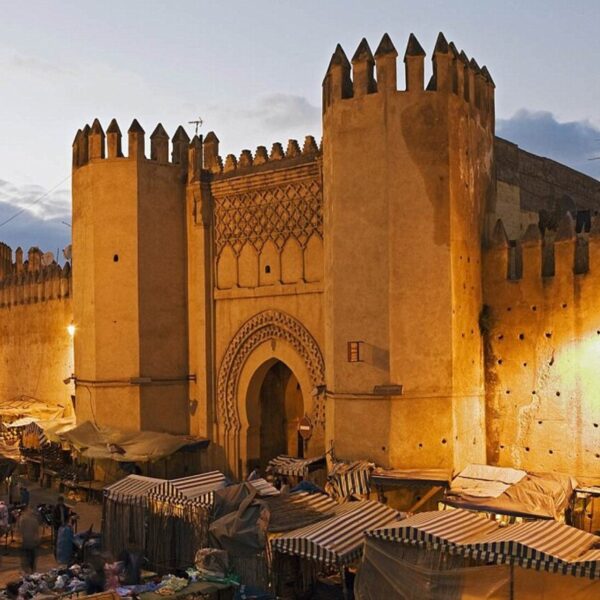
{"type": "Point", "coordinates": [267, 325]}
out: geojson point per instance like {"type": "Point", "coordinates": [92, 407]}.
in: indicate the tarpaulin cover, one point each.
{"type": "Point", "coordinates": [243, 531]}
{"type": "Point", "coordinates": [537, 495]}
{"type": "Point", "coordinates": [485, 481]}
{"type": "Point", "coordinates": [121, 446]}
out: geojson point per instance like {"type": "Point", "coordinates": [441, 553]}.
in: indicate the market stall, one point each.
{"type": "Point", "coordinates": [125, 512]}
{"type": "Point", "coordinates": [244, 522]}
{"type": "Point", "coordinates": [328, 545]}
{"type": "Point", "coordinates": [292, 470]}
{"type": "Point", "coordinates": [456, 554]}
{"type": "Point", "coordinates": [511, 492]}
{"type": "Point", "coordinates": [424, 486]}
{"type": "Point", "coordinates": [178, 518]}
{"type": "Point", "coordinates": [349, 479]}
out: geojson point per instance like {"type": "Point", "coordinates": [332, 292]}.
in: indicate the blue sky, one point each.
{"type": "Point", "coordinates": [253, 71]}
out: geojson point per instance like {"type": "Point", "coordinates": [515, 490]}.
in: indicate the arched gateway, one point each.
{"type": "Point", "coordinates": [270, 376]}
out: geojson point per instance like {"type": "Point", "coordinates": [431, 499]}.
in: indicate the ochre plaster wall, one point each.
{"type": "Point", "coordinates": [129, 279]}
{"type": "Point", "coordinates": [405, 201]}
{"type": "Point", "coordinates": [543, 357]}
{"type": "Point", "coordinates": [36, 352]}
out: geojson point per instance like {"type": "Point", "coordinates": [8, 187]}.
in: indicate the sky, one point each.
{"type": "Point", "coordinates": [253, 71]}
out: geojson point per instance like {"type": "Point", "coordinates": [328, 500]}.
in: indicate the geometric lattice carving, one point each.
{"type": "Point", "coordinates": [273, 213]}
{"type": "Point", "coordinates": [270, 324]}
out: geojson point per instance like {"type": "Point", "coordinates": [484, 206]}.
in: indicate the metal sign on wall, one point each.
{"type": "Point", "coordinates": [305, 428]}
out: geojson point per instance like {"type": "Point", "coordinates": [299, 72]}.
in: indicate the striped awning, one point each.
{"type": "Point", "coordinates": [350, 479]}
{"type": "Point", "coordinates": [195, 489]}
{"type": "Point", "coordinates": [263, 487]}
{"type": "Point", "coordinates": [544, 545]}
{"type": "Point", "coordinates": [337, 540]}
{"type": "Point", "coordinates": [132, 489]}
{"type": "Point", "coordinates": [295, 467]}
{"type": "Point", "coordinates": [438, 529]}
{"type": "Point", "coordinates": [587, 565]}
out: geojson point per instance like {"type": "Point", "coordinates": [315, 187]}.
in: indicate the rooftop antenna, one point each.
{"type": "Point", "coordinates": [197, 123]}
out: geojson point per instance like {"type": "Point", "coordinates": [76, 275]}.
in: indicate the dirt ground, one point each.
{"type": "Point", "coordinates": [10, 555]}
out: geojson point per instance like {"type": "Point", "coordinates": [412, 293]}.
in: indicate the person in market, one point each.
{"type": "Point", "coordinates": [29, 529]}
{"type": "Point", "coordinates": [131, 561]}
{"type": "Point", "coordinates": [64, 544]}
{"type": "Point", "coordinates": [24, 495]}
{"type": "Point", "coordinates": [95, 582]}
{"type": "Point", "coordinates": [60, 517]}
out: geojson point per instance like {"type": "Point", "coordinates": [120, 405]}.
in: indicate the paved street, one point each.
{"type": "Point", "coordinates": [10, 557]}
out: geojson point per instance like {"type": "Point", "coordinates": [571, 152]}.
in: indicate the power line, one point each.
{"type": "Point", "coordinates": [48, 192]}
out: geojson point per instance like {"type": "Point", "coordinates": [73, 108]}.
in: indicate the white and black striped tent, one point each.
{"type": "Point", "coordinates": [263, 487]}
{"type": "Point", "coordinates": [541, 545]}
{"type": "Point", "coordinates": [438, 529]}
{"type": "Point", "coordinates": [196, 489]}
{"type": "Point", "coordinates": [295, 467]}
{"type": "Point", "coordinates": [337, 540]}
{"type": "Point", "coordinates": [132, 489]}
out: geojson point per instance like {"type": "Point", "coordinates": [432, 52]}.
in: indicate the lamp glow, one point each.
{"type": "Point", "coordinates": [71, 329]}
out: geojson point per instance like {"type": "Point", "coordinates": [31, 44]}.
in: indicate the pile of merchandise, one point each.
{"type": "Point", "coordinates": [55, 581]}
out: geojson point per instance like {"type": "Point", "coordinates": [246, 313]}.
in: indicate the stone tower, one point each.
{"type": "Point", "coordinates": [129, 279]}
{"type": "Point", "coordinates": [407, 176]}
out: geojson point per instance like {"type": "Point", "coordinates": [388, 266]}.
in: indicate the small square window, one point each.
{"type": "Point", "coordinates": [355, 352]}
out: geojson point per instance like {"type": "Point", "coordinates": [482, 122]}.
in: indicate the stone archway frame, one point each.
{"type": "Point", "coordinates": [265, 326]}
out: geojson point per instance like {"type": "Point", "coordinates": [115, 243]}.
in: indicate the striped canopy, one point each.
{"type": "Point", "coordinates": [541, 545]}
{"type": "Point", "coordinates": [133, 489]}
{"type": "Point", "coordinates": [337, 540]}
{"type": "Point", "coordinates": [263, 487]}
{"type": "Point", "coordinates": [544, 545]}
{"type": "Point", "coordinates": [196, 489]}
{"type": "Point", "coordinates": [439, 529]}
{"type": "Point", "coordinates": [295, 467]}
{"type": "Point", "coordinates": [587, 565]}
{"type": "Point", "coordinates": [349, 479]}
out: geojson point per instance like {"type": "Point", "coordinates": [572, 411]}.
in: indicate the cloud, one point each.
{"type": "Point", "coordinates": [36, 66]}
{"type": "Point", "coordinates": [34, 216]}
{"type": "Point", "coordinates": [270, 118]}
{"type": "Point", "coordinates": [572, 143]}
{"type": "Point", "coordinates": [282, 111]}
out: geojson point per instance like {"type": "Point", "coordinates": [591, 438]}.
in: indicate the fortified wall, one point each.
{"type": "Point", "coordinates": [222, 296]}
{"type": "Point", "coordinates": [36, 308]}
{"type": "Point", "coordinates": [255, 294]}
{"type": "Point", "coordinates": [534, 189]}
{"type": "Point", "coordinates": [542, 332]}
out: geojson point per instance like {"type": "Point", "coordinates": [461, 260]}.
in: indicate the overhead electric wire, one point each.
{"type": "Point", "coordinates": [44, 195]}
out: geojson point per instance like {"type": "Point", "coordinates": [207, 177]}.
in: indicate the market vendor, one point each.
{"type": "Point", "coordinates": [60, 517]}
{"type": "Point", "coordinates": [64, 544]}
{"type": "Point", "coordinates": [132, 561]}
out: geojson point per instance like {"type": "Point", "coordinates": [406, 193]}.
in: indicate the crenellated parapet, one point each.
{"type": "Point", "coordinates": [452, 73]}
{"type": "Point", "coordinates": [31, 282]}
{"type": "Point", "coordinates": [539, 257]}
{"type": "Point", "coordinates": [261, 160]}
{"type": "Point", "coordinates": [92, 143]}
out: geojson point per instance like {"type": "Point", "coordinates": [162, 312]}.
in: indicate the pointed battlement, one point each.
{"type": "Point", "coordinates": [452, 73]}
{"type": "Point", "coordinates": [30, 281]}
{"type": "Point", "coordinates": [92, 143]}
{"type": "Point", "coordinates": [538, 256]}
{"type": "Point", "coordinates": [261, 160]}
